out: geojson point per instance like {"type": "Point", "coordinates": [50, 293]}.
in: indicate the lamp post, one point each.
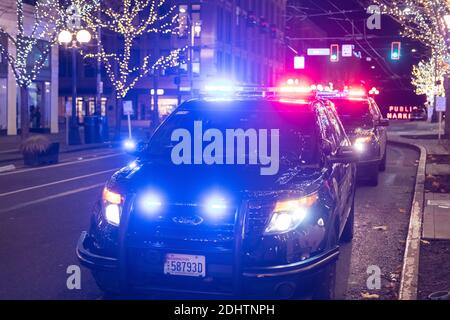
{"type": "Point", "coordinates": [75, 40]}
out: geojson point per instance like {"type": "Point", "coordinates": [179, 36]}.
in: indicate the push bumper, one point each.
{"type": "Point", "coordinates": [91, 260]}
{"type": "Point", "coordinates": [108, 268]}
{"type": "Point", "coordinates": [309, 265]}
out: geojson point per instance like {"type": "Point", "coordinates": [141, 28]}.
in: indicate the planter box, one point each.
{"type": "Point", "coordinates": [50, 156]}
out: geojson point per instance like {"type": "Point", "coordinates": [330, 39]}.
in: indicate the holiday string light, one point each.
{"type": "Point", "coordinates": [130, 20]}
{"type": "Point", "coordinates": [423, 21]}
{"type": "Point", "coordinates": [424, 76]}
{"type": "Point", "coordinates": [48, 17]}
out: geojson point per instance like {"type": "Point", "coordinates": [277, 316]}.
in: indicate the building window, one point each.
{"type": "Point", "coordinates": [219, 24]}
{"type": "Point", "coordinates": [219, 61]}
{"type": "Point", "coordinates": [183, 20]}
{"type": "Point", "coordinates": [228, 27]}
{"type": "Point", "coordinates": [196, 62]}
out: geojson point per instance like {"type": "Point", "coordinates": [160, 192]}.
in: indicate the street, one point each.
{"type": "Point", "coordinates": [43, 211]}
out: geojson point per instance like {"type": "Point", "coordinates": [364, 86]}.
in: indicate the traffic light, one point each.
{"type": "Point", "coordinates": [334, 53]}
{"type": "Point", "coordinates": [396, 47]}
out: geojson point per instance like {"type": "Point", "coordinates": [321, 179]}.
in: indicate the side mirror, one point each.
{"type": "Point", "coordinates": [383, 123]}
{"type": "Point", "coordinates": [345, 154]}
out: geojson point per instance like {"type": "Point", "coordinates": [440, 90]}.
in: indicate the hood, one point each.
{"type": "Point", "coordinates": [185, 182]}
{"type": "Point", "coordinates": [356, 131]}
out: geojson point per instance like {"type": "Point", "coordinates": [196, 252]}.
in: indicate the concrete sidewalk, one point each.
{"type": "Point", "coordinates": [436, 213]}
{"type": "Point", "coordinates": [9, 145]}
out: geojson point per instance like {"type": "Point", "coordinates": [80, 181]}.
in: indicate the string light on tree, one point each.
{"type": "Point", "coordinates": [31, 44]}
{"type": "Point", "coordinates": [130, 20]}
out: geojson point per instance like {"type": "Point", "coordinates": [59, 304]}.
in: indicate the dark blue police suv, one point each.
{"type": "Point", "coordinates": [242, 197]}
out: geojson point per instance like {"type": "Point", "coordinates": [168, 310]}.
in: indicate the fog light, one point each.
{"type": "Point", "coordinates": [215, 206]}
{"type": "Point", "coordinates": [150, 202]}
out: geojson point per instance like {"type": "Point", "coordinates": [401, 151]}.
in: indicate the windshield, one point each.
{"type": "Point", "coordinates": [297, 128]}
{"type": "Point", "coordinates": [354, 113]}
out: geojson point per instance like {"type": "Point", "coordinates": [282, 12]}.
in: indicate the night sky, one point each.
{"type": "Point", "coordinates": [343, 22]}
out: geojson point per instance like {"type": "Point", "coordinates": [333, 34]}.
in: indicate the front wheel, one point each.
{"type": "Point", "coordinates": [372, 176]}
{"type": "Point", "coordinates": [382, 166]}
{"type": "Point", "coordinates": [347, 234]}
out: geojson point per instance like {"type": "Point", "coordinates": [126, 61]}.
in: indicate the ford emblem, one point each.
{"type": "Point", "coordinates": [191, 220]}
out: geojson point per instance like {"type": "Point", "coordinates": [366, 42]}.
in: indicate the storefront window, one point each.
{"type": "Point", "coordinates": [166, 106]}
{"type": "Point", "coordinates": [103, 106]}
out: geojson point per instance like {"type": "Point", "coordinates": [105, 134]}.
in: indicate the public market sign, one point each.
{"type": "Point", "coordinates": [399, 112]}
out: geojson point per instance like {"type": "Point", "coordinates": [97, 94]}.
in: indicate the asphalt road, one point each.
{"type": "Point", "coordinates": [43, 210]}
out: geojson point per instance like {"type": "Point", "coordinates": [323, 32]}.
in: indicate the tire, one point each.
{"type": "Point", "coordinates": [325, 285]}
{"type": "Point", "coordinates": [382, 166]}
{"type": "Point", "coordinates": [347, 233]}
{"type": "Point", "coordinates": [373, 176]}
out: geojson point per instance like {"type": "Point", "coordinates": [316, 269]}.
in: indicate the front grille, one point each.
{"type": "Point", "coordinates": [183, 226]}
{"type": "Point", "coordinates": [257, 218]}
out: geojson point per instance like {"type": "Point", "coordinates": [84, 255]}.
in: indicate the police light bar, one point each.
{"type": "Point", "coordinates": [356, 93]}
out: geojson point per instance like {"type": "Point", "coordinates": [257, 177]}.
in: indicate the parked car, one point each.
{"type": "Point", "coordinates": [366, 128]}
{"type": "Point", "coordinates": [419, 113]}
{"type": "Point", "coordinates": [203, 227]}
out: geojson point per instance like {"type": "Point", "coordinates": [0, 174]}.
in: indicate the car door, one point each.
{"type": "Point", "coordinates": [347, 171]}
{"type": "Point", "coordinates": [380, 131]}
{"type": "Point", "coordinates": [336, 169]}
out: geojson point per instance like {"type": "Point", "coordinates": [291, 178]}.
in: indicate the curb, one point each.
{"type": "Point", "coordinates": [410, 268]}
{"type": "Point", "coordinates": [107, 145]}
{"type": "Point", "coordinates": [7, 168]}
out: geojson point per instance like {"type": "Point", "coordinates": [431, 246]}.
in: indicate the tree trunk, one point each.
{"type": "Point", "coordinates": [119, 107]}
{"type": "Point", "coordinates": [24, 113]}
{"type": "Point", "coordinates": [155, 114]}
{"type": "Point", "coordinates": [447, 110]}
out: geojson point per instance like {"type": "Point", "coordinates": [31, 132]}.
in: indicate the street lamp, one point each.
{"type": "Point", "coordinates": [75, 40]}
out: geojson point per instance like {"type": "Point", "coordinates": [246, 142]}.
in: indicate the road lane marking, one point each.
{"type": "Point", "coordinates": [55, 196]}
{"type": "Point", "coordinates": [62, 164]}
{"type": "Point", "coordinates": [56, 182]}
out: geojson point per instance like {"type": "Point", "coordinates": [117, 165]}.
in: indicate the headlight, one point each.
{"type": "Point", "coordinates": [112, 202]}
{"type": "Point", "coordinates": [360, 143]}
{"type": "Point", "coordinates": [288, 215]}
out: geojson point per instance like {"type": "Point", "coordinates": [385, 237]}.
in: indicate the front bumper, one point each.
{"type": "Point", "coordinates": [109, 271]}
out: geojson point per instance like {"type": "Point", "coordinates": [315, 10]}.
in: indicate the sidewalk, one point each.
{"type": "Point", "coordinates": [9, 145]}
{"type": "Point", "coordinates": [429, 257]}
{"type": "Point", "coordinates": [436, 216]}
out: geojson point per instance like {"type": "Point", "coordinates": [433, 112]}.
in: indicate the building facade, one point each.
{"type": "Point", "coordinates": [239, 41]}
{"type": "Point", "coordinates": [42, 94]}
{"type": "Point", "coordinates": [234, 40]}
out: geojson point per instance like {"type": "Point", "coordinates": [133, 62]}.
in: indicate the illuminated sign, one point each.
{"type": "Point", "coordinates": [299, 62]}
{"type": "Point", "coordinates": [318, 51]}
{"type": "Point", "coordinates": [399, 112]}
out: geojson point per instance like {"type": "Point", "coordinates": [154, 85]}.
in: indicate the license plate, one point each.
{"type": "Point", "coordinates": [185, 265]}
